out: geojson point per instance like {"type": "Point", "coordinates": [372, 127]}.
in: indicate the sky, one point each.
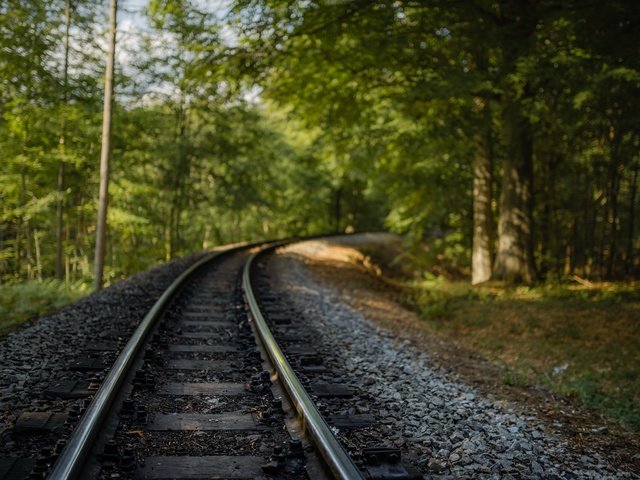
{"type": "Point", "coordinates": [133, 26]}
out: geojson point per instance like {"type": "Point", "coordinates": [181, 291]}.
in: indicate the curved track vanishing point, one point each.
{"type": "Point", "coordinates": [190, 381]}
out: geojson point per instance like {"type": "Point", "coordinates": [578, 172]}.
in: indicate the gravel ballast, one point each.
{"type": "Point", "coordinates": [447, 428]}
{"type": "Point", "coordinates": [40, 352]}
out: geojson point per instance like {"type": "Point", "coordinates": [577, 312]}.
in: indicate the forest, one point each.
{"type": "Point", "coordinates": [500, 137]}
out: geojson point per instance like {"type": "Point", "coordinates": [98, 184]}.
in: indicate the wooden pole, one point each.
{"type": "Point", "coordinates": [105, 153]}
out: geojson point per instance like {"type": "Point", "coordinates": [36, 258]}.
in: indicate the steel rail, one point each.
{"type": "Point", "coordinates": [72, 459]}
{"type": "Point", "coordinates": [330, 448]}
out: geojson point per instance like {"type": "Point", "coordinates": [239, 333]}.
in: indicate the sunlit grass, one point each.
{"type": "Point", "coordinates": [582, 341]}
{"type": "Point", "coordinates": [21, 301]}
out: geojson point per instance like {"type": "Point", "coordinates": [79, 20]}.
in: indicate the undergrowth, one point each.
{"type": "Point", "coordinates": [21, 301]}
{"type": "Point", "coordinates": [580, 341]}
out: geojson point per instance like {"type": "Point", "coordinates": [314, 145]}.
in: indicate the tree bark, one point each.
{"type": "Point", "coordinates": [514, 259]}
{"type": "Point", "coordinates": [632, 218]}
{"type": "Point", "coordinates": [614, 190]}
{"type": "Point", "coordinates": [36, 244]}
{"type": "Point", "coordinates": [59, 221]}
{"type": "Point", "coordinates": [101, 228]}
{"type": "Point", "coordinates": [179, 177]}
{"type": "Point", "coordinates": [337, 209]}
{"type": "Point", "coordinates": [481, 251]}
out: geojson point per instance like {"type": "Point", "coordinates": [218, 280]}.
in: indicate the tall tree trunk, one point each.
{"type": "Point", "coordinates": [179, 174]}
{"type": "Point", "coordinates": [183, 176]}
{"type": "Point", "coordinates": [337, 209]}
{"type": "Point", "coordinates": [59, 272]}
{"type": "Point", "coordinates": [67, 235]}
{"type": "Point", "coordinates": [101, 228]}
{"type": "Point", "coordinates": [167, 236]}
{"type": "Point", "coordinates": [514, 259]}
{"type": "Point", "coordinates": [614, 190]}
{"type": "Point", "coordinates": [603, 237]}
{"type": "Point", "coordinates": [22, 230]}
{"type": "Point", "coordinates": [591, 233]}
{"type": "Point", "coordinates": [613, 224]}
{"type": "Point", "coordinates": [632, 218]}
{"type": "Point", "coordinates": [544, 251]}
{"type": "Point", "coordinates": [569, 249]}
{"type": "Point", "coordinates": [481, 251]}
{"type": "Point", "coordinates": [20, 222]}
{"type": "Point", "coordinates": [36, 244]}
{"type": "Point", "coordinates": [59, 221]}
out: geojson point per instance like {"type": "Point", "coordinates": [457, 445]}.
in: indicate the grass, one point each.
{"type": "Point", "coordinates": [582, 341]}
{"type": "Point", "coordinates": [21, 301]}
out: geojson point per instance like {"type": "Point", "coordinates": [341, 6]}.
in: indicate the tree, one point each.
{"type": "Point", "coordinates": [336, 64]}
{"type": "Point", "coordinates": [63, 134]}
{"type": "Point", "coordinates": [105, 153]}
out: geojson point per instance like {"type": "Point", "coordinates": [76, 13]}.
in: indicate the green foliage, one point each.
{"type": "Point", "coordinates": [296, 117]}
{"type": "Point", "coordinates": [39, 130]}
{"type": "Point", "coordinates": [406, 94]}
{"type": "Point", "coordinates": [437, 297]}
{"type": "Point", "coordinates": [194, 163]}
{"type": "Point", "coordinates": [21, 302]}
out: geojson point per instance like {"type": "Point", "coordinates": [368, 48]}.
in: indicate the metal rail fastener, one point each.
{"type": "Point", "coordinates": [330, 448]}
{"type": "Point", "coordinates": [71, 461]}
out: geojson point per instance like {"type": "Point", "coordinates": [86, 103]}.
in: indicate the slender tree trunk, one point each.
{"type": "Point", "coordinates": [59, 221]}
{"type": "Point", "coordinates": [67, 232]}
{"type": "Point", "coordinates": [514, 259]}
{"type": "Point", "coordinates": [20, 222]}
{"type": "Point", "coordinates": [582, 247]}
{"type": "Point", "coordinates": [613, 225]}
{"type": "Point", "coordinates": [614, 190]}
{"type": "Point", "coordinates": [337, 209]}
{"type": "Point", "coordinates": [61, 166]}
{"type": "Point", "coordinates": [551, 249]}
{"type": "Point", "coordinates": [603, 237]}
{"type": "Point", "coordinates": [101, 228]}
{"type": "Point", "coordinates": [167, 237]}
{"type": "Point", "coordinates": [591, 232]}
{"type": "Point", "coordinates": [179, 178]}
{"type": "Point", "coordinates": [481, 252]}
{"type": "Point", "coordinates": [79, 237]}
{"type": "Point", "coordinates": [184, 174]}
{"type": "Point", "coordinates": [172, 230]}
{"type": "Point", "coordinates": [22, 227]}
{"type": "Point", "coordinates": [36, 244]}
{"type": "Point", "coordinates": [632, 219]}
{"type": "Point", "coordinates": [205, 239]}
{"type": "Point", "coordinates": [569, 249]}
{"type": "Point", "coordinates": [25, 227]}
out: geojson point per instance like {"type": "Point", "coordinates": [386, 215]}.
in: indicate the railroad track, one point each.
{"type": "Point", "coordinates": [209, 386]}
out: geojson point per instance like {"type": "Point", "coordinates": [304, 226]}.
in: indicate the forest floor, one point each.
{"type": "Point", "coordinates": [20, 302]}
{"type": "Point", "coordinates": [568, 354]}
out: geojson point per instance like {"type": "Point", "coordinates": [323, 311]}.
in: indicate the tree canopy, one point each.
{"type": "Point", "coordinates": [504, 133]}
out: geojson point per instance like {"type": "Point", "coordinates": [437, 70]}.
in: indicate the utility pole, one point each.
{"type": "Point", "coordinates": [105, 153]}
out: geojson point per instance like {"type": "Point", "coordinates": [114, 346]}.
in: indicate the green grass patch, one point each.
{"type": "Point", "coordinates": [21, 301]}
{"type": "Point", "coordinates": [582, 341]}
